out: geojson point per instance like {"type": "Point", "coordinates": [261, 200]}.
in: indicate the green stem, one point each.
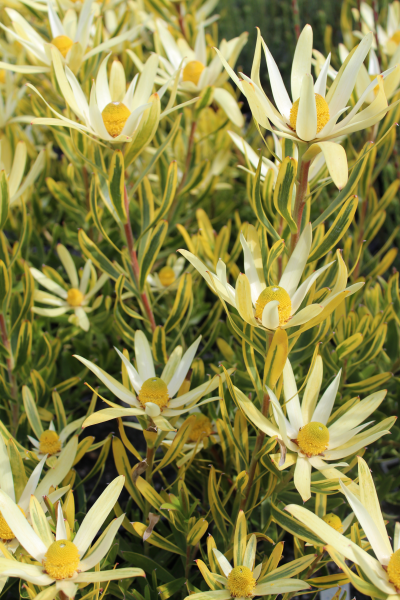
{"type": "Point", "coordinates": [11, 378]}
{"type": "Point", "coordinates": [135, 264]}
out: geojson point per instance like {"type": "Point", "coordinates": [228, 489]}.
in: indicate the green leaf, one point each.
{"type": "Point", "coordinates": [31, 411]}
{"type": "Point", "coordinates": [24, 344]}
{"type": "Point", "coordinates": [337, 231]}
{"type": "Point", "coordinates": [150, 252]}
{"type": "Point", "coordinates": [283, 193]}
{"type": "Point", "coordinates": [4, 199]}
{"type": "Point", "coordinates": [117, 184]}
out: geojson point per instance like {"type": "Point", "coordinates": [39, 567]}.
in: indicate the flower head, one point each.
{"type": "Point", "coordinates": [383, 572]}
{"type": "Point", "coordinates": [33, 487]}
{"type": "Point", "coordinates": [197, 72]}
{"type": "Point", "coordinates": [309, 433]}
{"type": "Point", "coordinates": [273, 306]}
{"type": "Point", "coordinates": [73, 297]}
{"type": "Point", "coordinates": [168, 276]}
{"type": "Point", "coordinates": [311, 116]}
{"type": "Point", "coordinates": [155, 396]}
{"type": "Point", "coordinates": [113, 112]}
{"type": "Point", "coordinates": [51, 443]}
{"type": "Point", "coordinates": [244, 579]}
{"type": "Point", "coordinates": [72, 37]}
{"type": "Point", "coordinates": [65, 558]}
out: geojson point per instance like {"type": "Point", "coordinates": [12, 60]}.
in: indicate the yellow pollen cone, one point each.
{"type": "Point", "coordinates": [154, 390]}
{"type": "Point", "coordinates": [5, 532]}
{"type": "Point", "coordinates": [241, 582]}
{"type": "Point", "coordinates": [74, 297]}
{"type": "Point", "coordinates": [334, 521]}
{"type": "Point", "coordinates": [61, 559]}
{"type": "Point", "coordinates": [115, 115]}
{"type": "Point", "coordinates": [322, 113]}
{"type": "Point", "coordinates": [192, 71]}
{"type": "Point", "coordinates": [313, 438]}
{"type": "Point", "coordinates": [63, 43]}
{"type": "Point", "coordinates": [167, 276]}
{"type": "Point", "coordinates": [49, 442]}
{"type": "Point", "coordinates": [275, 293]}
{"type": "Point", "coordinates": [393, 569]}
{"type": "Point", "coordinates": [201, 429]}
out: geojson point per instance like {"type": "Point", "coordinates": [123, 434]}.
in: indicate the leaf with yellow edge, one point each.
{"type": "Point", "coordinates": [337, 230]}
{"type": "Point", "coordinates": [157, 540]}
{"type": "Point", "coordinates": [283, 193]}
{"type": "Point", "coordinates": [197, 532]}
{"type": "Point", "coordinates": [83, 447]}
{"type": "Point", "coordinates": [17, 468]}
{"type": "Point", "coordinates": [124, 468]}
{"type": "Point", "coordinates": [159, 345]}
{"type": "Point", "coordinates": [179, 441]}
{"type": "Point", "coordinates": [349, 345]}
{"type": "Point", "coordinates": [182, 299]}
{"type": "Point", "coordinates": [369, 384]}
{"type": "Point", "coordinates": [276, 358]}
{"type": "Point", "coordinates": [31, 411]}
{"type": "Point", "coordinates": [240, 539]}
{"type": "Point", "coordinates": [116, 181]}
{"type": "Point", "coordinates": [214, 581]}
{"type": "Point", "coordinates": [39, 522]}
{"type": "Point", "coordinates": [328, 581]}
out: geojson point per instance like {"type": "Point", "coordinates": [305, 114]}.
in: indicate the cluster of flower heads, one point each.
{"type": "Point", "coordinates": [50, 551]}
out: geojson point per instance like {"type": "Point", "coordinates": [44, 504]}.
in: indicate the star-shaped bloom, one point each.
{"type": "Point", "coordinates": [312, 117]}
{"type": "Point", "coordinates": [154, 396]}
{"type": "Point", "coordinates": [167, 278]}
{"type": "Point", "coordinates": [383, 572]}
{"type": "Point", "coordinates": [33, 487]}
{"type": "Point", "coordinates": [75, 298]}
{"type": "Point", "coordinates": [389, 37]}
{"type": "Point", "coordinates": [64, 561]}
{"type": "Point", "coordinates": [273, 306]}
{"type": "Point", "coordinates": [72, 38]}
{"type": "Point", "coordinates": [113, 112]}
{"type": "Point", "coordinates": [308, 432]}
{"type": "Point", "coordinates": [197, 72]}
{"type": "Point", "coordinates": [51, 443]}
{"type": "Point", "coordinates": [244, 579]}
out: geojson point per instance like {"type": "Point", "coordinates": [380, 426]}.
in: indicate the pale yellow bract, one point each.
{"type": "Point", "coordinates": [384, 570]}
{"type": "Point", "coordinates": [154, 396]}
{"type": "Point", "coordinates": [65, 562]}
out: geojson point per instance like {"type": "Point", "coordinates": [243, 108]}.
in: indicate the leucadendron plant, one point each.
{"type": "Point", "coordinates": [199, 301]}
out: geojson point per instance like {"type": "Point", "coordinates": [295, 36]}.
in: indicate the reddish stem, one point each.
{"type": "Point", "coordinates": [135, 265]}
{"type": "Point", "coordinates": [296, 17]}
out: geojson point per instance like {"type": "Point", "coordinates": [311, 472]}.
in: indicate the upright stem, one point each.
{"type": "Point", "coordinates": [11, 378]}
{"type": "Point", "coordinates": [135, 265]}
{"type": "Point", "coordinates": [254, 458]}
{"type": "Point", "coordinates": [296, 17]}
{"type": "Point", "coordinates": [301, 191]}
